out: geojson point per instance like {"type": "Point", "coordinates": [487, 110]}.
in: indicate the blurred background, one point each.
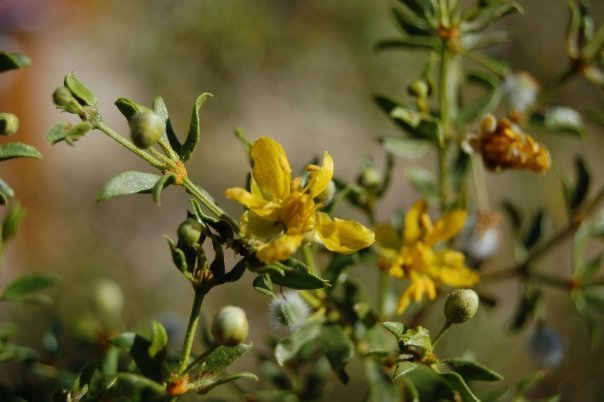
{"type": "Point", "coordinates": [302, 72]}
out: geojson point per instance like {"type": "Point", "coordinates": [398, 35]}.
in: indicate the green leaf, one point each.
{"type": "Point", "coordinates": [129, 108]}
{"type": "Point", "coordinates": [499, 67]}
{"type": "Point", "coordinates": [296, 275]}
{"type": "Point", "coordinates": [80, 91]}
{"type": "Point", "coordinates": [337, 265]}
{"type": "Point", "coordinates": [410, 22]}
{"type": "Point", "coordinates": [18, 150]}
{"type": "Point", "coordinates": [409, 42]}
{"type": "Point", "coordinates": [484, 104]}
{"type": "Point", "coordinates": [139, 348]}
{"type": "Point", "coordinates": [221, 358]}
{"type": "Point", "coordinates": [205, 384]}
{"type": "Point", "coordinates": [589, 269]}
{"type": "Point", "coordinates": [489, 15]}
{"type": "Point", "coordinates": [6, 192]}
{"type": "Point", "coordinates": [405, 147]}
{"type": "Point", "coordinates": [25, 286]}
{"type": "Point", "coordinates": [421, 7]}
{"type": "Point", "coordinates": [165, 181]}
{"type": "Point", "coordinates": [179, 258]}
{"type": "Point", "coordinates": [194, 129]}
{"type": "Point", "coordinates": [472, 371]}
{"type": "Point", "coordinates": [402, 369]}
{"type": "Point", "coordinates": [416, 338]}
{"type": "Point", "coordinates": [288, 347]}
{"type": "Point", "coordinates": [67, 132]}
{"type": "Point", "coordinates": [526, 307]}
{"type": "Point", "coordinates": [126, 183]}
{"type": "Point", "coordinates": [338, 348]}
{"type": "Point", "coordinates": [423, 182]}
{"type": "Point", "coordinates": [13, 61]}
{"type": "Point", "coordinates": [582, 181]}
{"type": "Point", "coordinates": [236, 273]}
{"type": "Point", "coordinates": [457, 383]}
{"type": "Point", "coordinates": [513, 214]}
{"type": "Point", "coordinates": [477, 41]}
{"type": "Point", "coordinates": [536, 229]}
{"type": "Point", "coordinates": [123, 341]}
{"type": "Point", "coordinates": [395, 328]}
{"type": "Point", "coordinates": [381, 387]}
{"type": "Point", "coordinates": [12, 221]}
{"type": "Point", "coordinates": [159, 338]}
{"type": "Point", "coordinates": [159, 107]}
{"type": "Point", "coordinates": [264, 285]}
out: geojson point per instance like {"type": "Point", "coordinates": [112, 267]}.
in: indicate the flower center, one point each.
{"type": "Point", "coordinates": [297, 213]}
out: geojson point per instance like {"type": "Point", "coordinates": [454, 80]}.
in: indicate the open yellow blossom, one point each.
{"type": "Point", "coordinates": [416, 258]}
{"type": "Point", "coordinates": [283, 214]}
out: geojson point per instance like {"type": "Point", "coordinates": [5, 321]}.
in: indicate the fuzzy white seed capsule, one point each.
{"type": "Point", "coordinates": [288, 311]}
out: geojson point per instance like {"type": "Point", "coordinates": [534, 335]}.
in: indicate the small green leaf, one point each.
{"type": "Point", "coordinates": [402, 369]}
{"type": "Point", "coordinates": [288, 347]}
{"type": "Point", "coordinates": [338, 348]}
{"type": "Point", "coordinates": [159, 338]}
{"type": "Point", "coordinates": [236, 273]}
{"type": "Point", "coordinates": [165, 181]}
{"type": "Point", "coordinates": [472, 371]}
{"type": "Point", "coordinates": [159, 107]}
{"type": "Point", "coordinates": [381, 387]}
{"type": "Point", "coordinates": [6, 192]}
{"type": "Point", "coordinates": [417, 338]}
{"type": "Point", "coordinates": [80, 91]}
{"type": "Point", "coordinates": [126, 183]}
{"type": "Point", "coordinates": [194, 129]}
{"type": "Point", "coordinates": [423, 181]}
{"type": "Point", "coordinates": [18, 150]}
{"type": "Point", "coordinates": [264, 285]}
{"type": "Point", "coordinates": [67, 132]}
{"type": "Point", "coordinates": [12, 221]}
{"type": "Point", "coordinates": [13, 61]}
{"type": "Point", "coordinates": [296, 276]}
{"type": "Point", "coordinates": [582, 181]}
{"type": "Point", "coordinates": [395, 328]}
{"type": "Point", "coordinates": [457, 383]}
{"type": "Point", "coordinates": [489, 15]}
{"type": "Point", "coordinates": [536, 229]}
{"type": "Point", "coordinates": [487, 102]}
{"type": "Point", "coordinates": [123, 341]}
{"type": "Point", "coordinates": [409, 22]}
{"type": "Point", "coordinates": [205, 385]}
{"type": "Point", "coordinates": [408, 148]}
{"type": "Point", "coordinates": [410, 42]}
{"type": "Point", "coordinates": [497, 66]}
{"type": "Point", "coordinates": [27, 285]}
{"type": "Point", "coordinates": [513, 214]}
{"type": "Point", "coordinates": [179, 258]}
{"type": "Point", "coordinates": [221, 358]}
{"type": "Point", "coordinates": [129, 108]}
{"type": "Point", "coordinates": [526, 307]}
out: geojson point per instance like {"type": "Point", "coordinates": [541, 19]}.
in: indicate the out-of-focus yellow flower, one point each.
{"type": "Point", "coordinates": [283, 214]}
{"type": "Point", "coordinates": [503, 145]}
{"type": "Point", "coordinates": [416, 257]}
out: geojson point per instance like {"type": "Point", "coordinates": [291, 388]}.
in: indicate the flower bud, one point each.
{"type": "Point", "coordinates": [64, 99]}
{"type": "Point", "coordinates": [107, 297]}
{"type": "Point", "coordinates": [419, 89]}
{"type": "Point", "coordinates": [189, 232]}
{"type": "Point", "coordinates": [461, 305]}
{"type": "Point", "coordinates": [488, 124]}
{"type": "Point", "coordinates": [230, 326]}
{"type": "Point", "coordinates": [9, 124]}
{"type": "Point", "coordinates": [146, 128]}
{"type": "Point", "coordinates": [288, 311]}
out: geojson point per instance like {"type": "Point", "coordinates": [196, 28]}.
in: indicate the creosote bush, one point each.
{"type": "Point", "coordinates": [301, 255]}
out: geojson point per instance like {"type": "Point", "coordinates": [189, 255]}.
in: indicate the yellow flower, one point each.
{"type": "Point", "coordinates": [415, 257]}
{"type": "Point", "coordinates": [284, 214]}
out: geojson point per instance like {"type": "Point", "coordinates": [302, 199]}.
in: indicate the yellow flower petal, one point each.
{"type": "Point", "coordinates": [449, 268]}
{"type": "Point", "coordinates": [413, 224]}
{"type": "Point", "coordinates": [343, 236]}
{"type": "Point", "coordinates": [447, 227]}
{"type": "Point", "coordinates": [253, 224]}
{"type": "Point", "coordinates": [270, 168]}
{"type": "Point", "coordinates": [280, 248]}
{"type": "Point", "coordinates": [266, 209]}
{"type": "Point", "coordinates": [319, 179]}
{"type": "Point", "coordinates": [386, 238]}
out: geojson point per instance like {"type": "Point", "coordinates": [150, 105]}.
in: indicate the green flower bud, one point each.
{"type": "Point", "coordinates": [64, 99]}
{"type": "Point", "coordinates": [189, 232]}
{"type": "Point", "coordinates": [107, 297]}
{"type": "Point", "coordinates": [370, 177]}
{"type": "Point", "coordinates": [146, 128]}
{"type": "Point", "coordinates": [230, 326]}
{"type": "Point", "coordinates": [9, 124]}
{"type": "Point", "coordinates": [461, 305]}
{"type": "Point", "coordinates": [488, 125]}
{"type": "Point", "coordinates": [419, 89]}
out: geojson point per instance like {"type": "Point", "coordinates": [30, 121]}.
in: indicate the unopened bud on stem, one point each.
{"type": "Point", "coordinates": [146, 128]}
{"type": "Point", "coordinates": [461, 305]}
{"type": "Point", "coordinates": [230, 326]}
{"type": "Point", "coordinates": [189, 232]}
{"type": "Point", "coordinates": [9, 124]}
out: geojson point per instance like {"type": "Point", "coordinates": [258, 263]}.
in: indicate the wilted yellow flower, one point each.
{"type": "Point", "coordinates": [416, 257]}
{"type": "Point", "coordinates": [503, 145]}
{"type": "Point", "coordinates": [284, 213]}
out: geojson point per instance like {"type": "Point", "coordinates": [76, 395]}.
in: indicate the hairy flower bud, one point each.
{"type": "Point", "coordinates": [9, 124]}
{"type": "Point", "coordinates": [64, 99]}
{"type": "Point", "coordinates": [230, 326]}
{"type": "Point", "coordinates": [461, 305]}
{"type": "Point", "coordinates": [419, 89]}
{"type": "Point", "coordinates": [146, 128]}
{"type": "Point", "coordinates": [107, 297]}
{"type": "Point", "coordinates": [189, 232]}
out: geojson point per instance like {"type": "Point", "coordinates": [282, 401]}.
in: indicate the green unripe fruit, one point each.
{"type": "Point", "coordinates": [9, 124]}
{"type": "Point", "coordinates": [189, 232]}
{"type": "Point", "coordinates": [461, 305]}
{"type": "Point", "coordinates": [230, 326]}
{"type": "Point", "coordinates": [64, 99]}
{"type": "Point", "coordinates": [146, 128]}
